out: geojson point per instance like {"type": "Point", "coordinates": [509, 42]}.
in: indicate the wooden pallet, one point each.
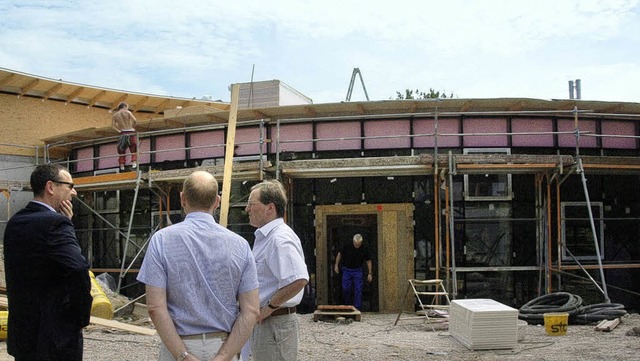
{"type": "Point", "coordinates": [332, 312]}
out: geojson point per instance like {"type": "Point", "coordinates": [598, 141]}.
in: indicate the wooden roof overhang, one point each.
{"type": "Point", "coordinates": [28, 85]}
{"type": "Point", "coordinates": [202, 115]}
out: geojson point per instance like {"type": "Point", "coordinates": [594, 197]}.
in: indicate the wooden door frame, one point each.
{"type": "Point", "coordinates": [395, 263]}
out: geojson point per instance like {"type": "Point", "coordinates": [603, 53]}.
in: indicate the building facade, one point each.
{"type": "Point", "coordinates": [502, 198]}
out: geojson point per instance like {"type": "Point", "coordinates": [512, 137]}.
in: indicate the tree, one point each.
{"type": "Point", "coordinates": [417, 94]}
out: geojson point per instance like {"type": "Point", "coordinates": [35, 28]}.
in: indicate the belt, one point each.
{"type": "Point", "coordinates": [206, 336]}
{"type": "Point", "coordinates": [284, 311]}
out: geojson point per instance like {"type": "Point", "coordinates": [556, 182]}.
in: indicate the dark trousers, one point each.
{"type": "Point", "coordinates": [352, 282]}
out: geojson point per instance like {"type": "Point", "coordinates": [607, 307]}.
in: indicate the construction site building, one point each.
{"type": "Point", "coordinates": [504, 198]}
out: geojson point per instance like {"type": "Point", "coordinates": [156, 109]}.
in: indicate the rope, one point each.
{"type": "Point", "coordinates": [534, 310]}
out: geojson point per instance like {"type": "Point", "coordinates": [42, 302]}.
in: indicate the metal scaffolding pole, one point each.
{"type": "Point", "coordinates": [454, 276]}
{"type": "Point", "coordinates": [126, 245]}
{"type": "Point", "coordinates": [596, 243]}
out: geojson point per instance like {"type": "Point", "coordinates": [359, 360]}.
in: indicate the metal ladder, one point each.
{"type": "Point", "coordinates": [432, 290]}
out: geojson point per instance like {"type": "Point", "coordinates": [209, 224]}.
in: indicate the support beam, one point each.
{"type": "Point", "coordinates": [75, 94]}
{"type": "Point", "coordinates": [122, 98]}
{"type": "Point", "coordinates": [51, 91]}
{"type": "Point", "coordinates": [25, 89]}
{"type": "Point", "coordinates": [95, 99]}
{"type": "Point", "coordinates": [136, 107]}
{"type": "Point", "coordinates": [228, 157]}
{"type": "Point", "coordinates": [6, 79]}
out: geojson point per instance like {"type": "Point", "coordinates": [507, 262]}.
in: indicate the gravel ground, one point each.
{"type": "Point", "coordinates": [376, 338]}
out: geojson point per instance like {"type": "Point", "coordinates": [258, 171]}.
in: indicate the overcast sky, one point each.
{"type": "Point", "coordinates": [196, 48]}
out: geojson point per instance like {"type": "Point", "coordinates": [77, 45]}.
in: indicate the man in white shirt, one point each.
{"type": "Point", "coordinates": [282, 274]}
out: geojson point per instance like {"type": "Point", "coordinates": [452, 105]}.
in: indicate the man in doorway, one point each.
{"type": "Point", "coordinates": [124, 122]}
{"type": "Point", "coordinates": [353, 255]}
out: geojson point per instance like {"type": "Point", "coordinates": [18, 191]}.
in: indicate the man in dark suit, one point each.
{"type": "Point", "coordinates": [47, 277]}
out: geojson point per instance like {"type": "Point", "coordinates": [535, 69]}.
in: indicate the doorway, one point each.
{"type": "Point", "coordinates": [389, 227]}
{"type": "Point", "coordinates": [340, 230]}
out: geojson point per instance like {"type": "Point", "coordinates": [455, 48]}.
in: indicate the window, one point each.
{"type": "Point", "coordinates": [487, 187]}
{"type": "Point", "coordinates": [577, 235]}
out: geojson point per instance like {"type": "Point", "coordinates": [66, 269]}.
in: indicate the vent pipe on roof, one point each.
{"type": "Point", "coordinates": [575, 88]}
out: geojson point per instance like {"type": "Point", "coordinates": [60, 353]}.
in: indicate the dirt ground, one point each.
{"type": "Point", "coordinates": [376, 338]}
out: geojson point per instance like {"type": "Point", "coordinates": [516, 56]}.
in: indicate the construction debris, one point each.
{"type": "Point", "coordinates": [633, 332]}
{"type": "Point", "coordinates": [607, 325]}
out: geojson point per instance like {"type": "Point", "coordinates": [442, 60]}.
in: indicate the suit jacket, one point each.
{"type": "Point", "coordinates": [48, 286]}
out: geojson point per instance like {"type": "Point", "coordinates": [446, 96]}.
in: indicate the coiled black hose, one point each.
{"type": "Point", "coordinates": [534, 310]}
{"type": "Point", "coordinates": [598, 312]}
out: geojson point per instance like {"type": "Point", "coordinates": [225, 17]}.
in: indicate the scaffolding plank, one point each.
{"type": "Point", "coordinates": [249, 170]}
{"type": "Point", "coordinates": [103, 178]}
{"type": "Point", "coordinates": [111, 181]}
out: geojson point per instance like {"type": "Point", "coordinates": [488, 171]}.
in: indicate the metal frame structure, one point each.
{"type": "Point", "coordinates": [443, 167]}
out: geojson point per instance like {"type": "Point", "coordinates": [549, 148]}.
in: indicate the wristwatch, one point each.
{"type": "Point", "coordinates": [183, 355]}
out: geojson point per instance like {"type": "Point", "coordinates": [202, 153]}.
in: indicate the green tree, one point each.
{"type": "Point", "coordinates": [417, 94]}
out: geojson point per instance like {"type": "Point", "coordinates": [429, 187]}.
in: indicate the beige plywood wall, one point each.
{"type": "Point", "coordinates": [26, 121]}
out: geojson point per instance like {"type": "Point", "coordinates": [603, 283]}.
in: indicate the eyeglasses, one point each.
{"type": "Point", "coordinates": [71, 185]}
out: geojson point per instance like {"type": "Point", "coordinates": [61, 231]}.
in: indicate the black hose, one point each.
{"type": "Point", "coordinates": [534, 310]}
{"type": "Point", "coordinates": [598, 312]}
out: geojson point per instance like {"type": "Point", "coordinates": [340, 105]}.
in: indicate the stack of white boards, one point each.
{"type": "Point", "coordinates": [483, 324]}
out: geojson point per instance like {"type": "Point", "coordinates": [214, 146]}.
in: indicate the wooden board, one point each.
{"type": "Point", "coordinates": [337, 308]}
{"type": "Point", "coordinates": [607, 325]}
{"type": "Point", "coordinates": [332, 312]}
{"type": "Point", "coordinates": [123, 326]}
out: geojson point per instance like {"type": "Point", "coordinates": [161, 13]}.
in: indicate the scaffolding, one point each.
{"type": "Point", "coordinates": [548, 170]}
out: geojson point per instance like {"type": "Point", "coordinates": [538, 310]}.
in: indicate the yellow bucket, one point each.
{"type": "Point", "coordinates": [556, 323]}
{"type": "Point", "coordinates": [101, 306]}
{"type": "Point", "coordinates": [4, 321]}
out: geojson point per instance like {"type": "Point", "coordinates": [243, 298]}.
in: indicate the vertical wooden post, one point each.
{"type": "Point", "coordinates": [228, 156]}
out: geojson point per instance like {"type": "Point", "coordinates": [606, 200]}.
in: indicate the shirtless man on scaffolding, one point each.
{"type": "Point", "coordinates": [124, 122]}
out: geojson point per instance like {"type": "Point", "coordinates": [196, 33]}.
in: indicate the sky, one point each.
{"type": "Point", "coordinates": [198, 48]}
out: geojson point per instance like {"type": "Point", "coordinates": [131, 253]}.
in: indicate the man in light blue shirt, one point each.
{"type": "Point", "coordinates": [197, 274]}
{"type": "Point", "coordinates": [282, 274]}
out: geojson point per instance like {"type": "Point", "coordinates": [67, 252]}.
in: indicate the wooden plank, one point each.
{"type": "Point", "coordinates": [334, 314]}
{"type": "Point", "coordinates": [228, 156]}
{"type": "Point", "coordinates": [508, 166]}
{"type": "Point", "coordinates": [102, 178]}
{"type": "Point", "coordinates": [123, 326]}
{"type": "Point", "coordinates": [611, 166]}
{"type": "Point", "coordinates": [607, 325]}
{"type": "Point", "coordinates": [347, 308]}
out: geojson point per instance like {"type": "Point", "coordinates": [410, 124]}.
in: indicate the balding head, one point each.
{"type": "Point", "coordinates": [200, 192]}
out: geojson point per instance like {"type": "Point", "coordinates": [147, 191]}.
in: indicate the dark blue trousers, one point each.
{"type": "Point", "coordinates": [352, 282]}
